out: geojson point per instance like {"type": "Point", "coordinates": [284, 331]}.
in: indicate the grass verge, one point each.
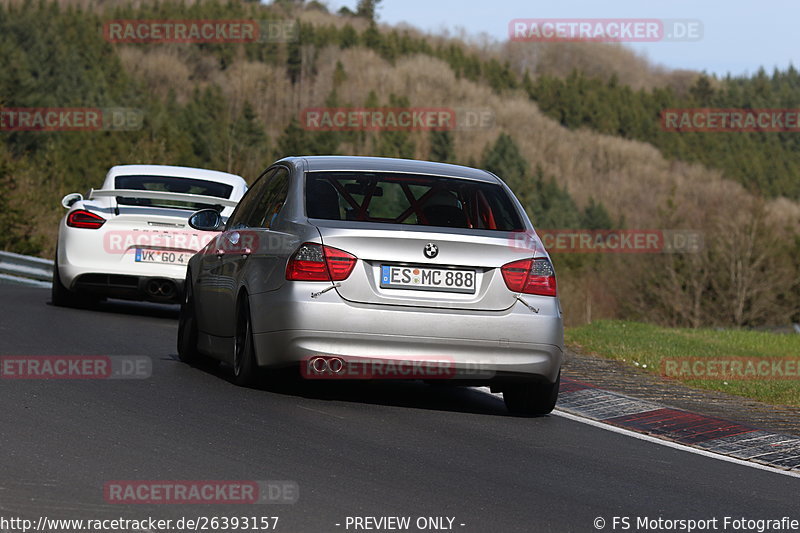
{"type": "Point", "coordinates": [734, 361]}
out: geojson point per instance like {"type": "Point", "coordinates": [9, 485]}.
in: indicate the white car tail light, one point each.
{"type": "Point", "coordinates": [84, 219]}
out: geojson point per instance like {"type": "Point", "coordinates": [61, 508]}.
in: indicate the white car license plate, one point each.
{"type": "Point", "coordinates": [428, 279]}
{"type": "Point", "coordinates": [144, 255]}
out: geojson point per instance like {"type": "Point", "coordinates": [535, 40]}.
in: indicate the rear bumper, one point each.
{"type": "Point", "coordinates": [290, 327]}
{"type": "Point", "coordinates": [127, 287]}
{"type": "Point", "coordinates": [86, 263]}
{"type": "Point", "coordinates": [374, 354]}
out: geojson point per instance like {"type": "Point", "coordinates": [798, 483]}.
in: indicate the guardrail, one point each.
{"type": "Point", "coordinates": [25, 270]}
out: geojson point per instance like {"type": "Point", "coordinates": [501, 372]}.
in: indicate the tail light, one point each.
{"type": "Point", "coordinates": [315, 262]}
{"type": "Point", "coordinates": [530, 276]}
{"type": "Point", "coordinates": [84, 219]}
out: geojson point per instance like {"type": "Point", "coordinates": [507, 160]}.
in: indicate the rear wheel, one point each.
{"type": "Point", "coordinates": [530, 399]}
{"type": "Point", "coordinates": [245, 368]}
{"type": "Point", "coordinates": [187, 327]}
{"type": "Point", "coordinates": [62, 296]}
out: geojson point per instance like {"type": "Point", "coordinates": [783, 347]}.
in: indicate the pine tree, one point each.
{"type": "Point", "coordinates": [294, 140]}
{"type": "Point", "coordinates": [595, 216]}
{"type": "Point", "coordinates": [294, 61]}
{"type": "Point", "coordinates": [395, 143]}
{"type": "Point", "coordinates": [339, 75]}
{"type": "Point", "coordinates": [201, 119]}
{"type": "Point", "coordinates": [348, 37]}
{"type": "Point", "coordinates": [248, 150]}
{"type": "Point", "coordinates": [505, 160]}
{"type": "Point", "coordinates": [442, 149]}
{"type": "Point", "coordinates": [553, 207]}
{"type": "Point", "coordinates": [367, 9]}
{"type": "Point", "coordinates": [17, 232]}
{"type": "Point", "coordinates": [702, 92]}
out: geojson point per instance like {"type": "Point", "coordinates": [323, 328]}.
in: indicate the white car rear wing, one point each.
{"type": "Point", "coordinates": [162, 195]}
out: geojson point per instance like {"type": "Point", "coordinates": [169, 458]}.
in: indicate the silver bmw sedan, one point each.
{"type": "Point", "coordinates": [377, 268]}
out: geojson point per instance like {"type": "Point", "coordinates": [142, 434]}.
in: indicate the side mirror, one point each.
{"type": "Point", "coordinates": [70, 199]}
{"type": "Point", "coordinates": [206, 220]}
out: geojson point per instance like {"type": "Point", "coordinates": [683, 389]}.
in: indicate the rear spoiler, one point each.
{"type": "Point", "coordinates": [162, 195]}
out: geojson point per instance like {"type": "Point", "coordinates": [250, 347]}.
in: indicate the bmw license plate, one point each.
{"type": "Point", "coordinates": [428, 279]}
{"type": "Point", "coordinates": [144, 255]}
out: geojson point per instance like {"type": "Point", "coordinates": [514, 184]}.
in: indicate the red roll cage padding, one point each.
{"type": "Point", "coordinates": [486, 214]}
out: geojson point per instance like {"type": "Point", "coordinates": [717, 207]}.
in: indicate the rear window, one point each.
{"type": "Point", "coordinates": [171, 184]}
{"type": "Point", "coordinates": [412, 199]}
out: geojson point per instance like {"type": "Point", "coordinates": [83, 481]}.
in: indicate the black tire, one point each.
{"type": "Point", "coordinates": [63, 297]}
{"type": "Point", "coordinates": [187, 327]}
{"type": "Point", "coordinates": [531, 399]}
{"type": "Point", "coordinates": [245, 368]}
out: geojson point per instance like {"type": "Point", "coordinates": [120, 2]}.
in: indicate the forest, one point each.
{"type": "Point", "coordinates": [581, 146]}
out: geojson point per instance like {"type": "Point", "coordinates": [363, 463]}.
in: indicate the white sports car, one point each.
{"type": "Point", "coordinates": [130, 238]}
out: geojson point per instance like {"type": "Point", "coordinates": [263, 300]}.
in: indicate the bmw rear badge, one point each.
{"type": "Point", "coordinates": [431, 250]}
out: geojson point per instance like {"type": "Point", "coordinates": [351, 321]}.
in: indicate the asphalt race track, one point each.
{"type": "Point", "coordinates": [385, 449]}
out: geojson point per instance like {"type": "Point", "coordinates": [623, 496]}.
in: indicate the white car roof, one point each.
{"type": "Point", "coordinates": [237, 182]}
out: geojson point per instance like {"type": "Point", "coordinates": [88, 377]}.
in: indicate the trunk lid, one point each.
{"type": "Point", "coordinates": [392, 260]}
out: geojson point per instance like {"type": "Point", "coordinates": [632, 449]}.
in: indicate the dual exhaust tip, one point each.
{"type": "Point", "coordinates": [161, 289]}
{"type": "Point", "coordinates": [326, 365]}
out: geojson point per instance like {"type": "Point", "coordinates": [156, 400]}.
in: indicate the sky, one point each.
{"type": "Point", "coordinates": [738, 36]}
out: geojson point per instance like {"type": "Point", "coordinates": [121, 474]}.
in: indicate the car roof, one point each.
{"type": "Point", "coordinates": [388, 164]}
{"type": "Point", "coordinates": [173, 171]}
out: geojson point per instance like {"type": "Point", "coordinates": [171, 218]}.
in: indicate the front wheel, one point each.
{"type": "Point", "coordinates": [245, 368]}
{"type": "Point", "coordinates": [531, 399]}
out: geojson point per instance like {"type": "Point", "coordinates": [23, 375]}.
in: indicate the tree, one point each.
{"type": "Point", "coordinates": [750, 268]}
{"type": "Point", "coordinates": [201, 119]}
{"type": "Point", "coordinates": [339, 75]}
{"type": "Point", "coordinates": [247, 144]}
{"type": "Point", "coordinates": [17, 235]}
{"type": "Point", "coordinates": [595, 216]}
{"type": "Point", "coordinates": [367, 9]}
{"type": "Point", "coordinates": [293, 141]}
{"type": "Point", "coordinates": [348, 37]}
{"type": "Point", "coordinates": [294, 61]}
{"type": "Point", "coordinates": [394, 143]}
{"type": "Point", "coordinates": [702, 92]}
{"type": "Point", "coordinates": [504, 159]}
{"type": "Point", "coordinates": [552, 206]}
{"type": "Point", "coordinates": [297, 141]}
{"type": "Point", "coordinates": [442, 149]}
